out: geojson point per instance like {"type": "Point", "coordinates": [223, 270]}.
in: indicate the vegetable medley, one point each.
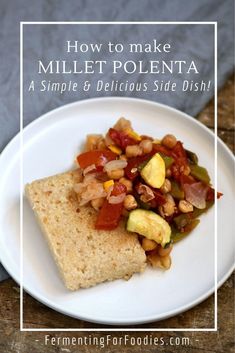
{"type": "Point", "coordinates": [157, 185]}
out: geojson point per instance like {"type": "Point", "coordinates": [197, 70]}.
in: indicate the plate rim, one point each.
{"type": "Point", "coordinates": [148, 319]}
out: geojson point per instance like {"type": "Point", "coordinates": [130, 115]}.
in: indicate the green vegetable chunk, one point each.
{"type": "Point", "coordinates": [150, 225]}
{"type": "Point", "coordinates": [176, 191]}
{"type": "Point", "coordinates": [192, 156]}
{"type": "Point", "coordinates": [188, 221]}
{"type": "Point", "coordinates": [177, 236]}
{"type": "Point", "coordinates": [167, 160]}
{"type": "Point", "coordinates": [200, 173]}
{"type": "Point", "coordinates": [184, 220]}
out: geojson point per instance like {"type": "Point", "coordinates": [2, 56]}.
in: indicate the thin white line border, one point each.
{"type": "Point", "coordinates": [22, 329]}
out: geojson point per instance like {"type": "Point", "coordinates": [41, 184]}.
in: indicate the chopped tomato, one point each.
{"type": "Point", "coordinates": [181, 162]}
{"type": "Point", "coordinates": [162, 149]}
{"type": "Point", "coordinates": [176, 169]}
{"type": "Point", "coordinates": [178, 151]}
{"type": "Point", "coordinates": [186, 179]}
{"type": "Point", "coordinates": [159, 197]}
{"type": "Point", "coordinates": [118, 189]}
{"type": "Point", "coordinates": [131, 170]}
{"type": "Point", "coordinates": [99, 158]}
{"type": "Point", "coordinates": [121, 139]}
{"type": "Point", "coordinates": [110, 214]}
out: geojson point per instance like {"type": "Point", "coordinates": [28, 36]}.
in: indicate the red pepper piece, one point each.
{"type": "Point", "coordinates": [99, 158]}
{"type": "Point", "coordinates": [109, 216]}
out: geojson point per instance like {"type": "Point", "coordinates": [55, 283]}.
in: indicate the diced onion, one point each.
{"type": "Point", "coordinates": [117, 199]}
{"type": "Point", "coordinates": [89, 169]}
{"type": "Point", "coordinates": [196, 194]}
{"type": "Point", "coordinates": [116, 164]}
{"type": "Point", "coordinates": [89, 178]}
{"type": "Point", "coordinates": [92, 191]}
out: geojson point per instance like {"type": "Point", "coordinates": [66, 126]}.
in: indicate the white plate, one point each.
{"type": "Point", "coordinates": [50, 144]}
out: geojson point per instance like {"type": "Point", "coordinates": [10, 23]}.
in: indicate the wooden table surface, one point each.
{"type": "Point", "coordinates": [37, 315]}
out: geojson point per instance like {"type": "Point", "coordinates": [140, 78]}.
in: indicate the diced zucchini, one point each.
{"type": "Point", "coordinates": [153, 172]}
{"type": "Point", "coordinates": [150, 225]}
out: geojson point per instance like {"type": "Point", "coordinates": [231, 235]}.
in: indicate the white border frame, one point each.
{"type": "Point", "coordinates": [22, 329]}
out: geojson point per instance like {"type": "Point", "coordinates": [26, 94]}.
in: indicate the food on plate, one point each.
{"type": "Point", "coordinates": [85, 256]}
{"type": "Point", "coordinates": [154, 172]}
{"type": "Point", "coordinates": [130, 198]}
{"type": "Point", "coordinates": [157, 185]}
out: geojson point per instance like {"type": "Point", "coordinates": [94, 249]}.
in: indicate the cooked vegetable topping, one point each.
{"type": "Point", "coordinates": [176, 190]}
{"type": "Point", "coordinates": [167, 160]}
{"type": "Point", "coordinates": [154, 171]}
{"type": "Point", "coordinates": [196, 194]}
{"type": "Point", "coordinates": [121, 138]}
{"type": "Point", "coordinates": [109, 216]}
{"type": "Point", "coordinates": [110, 212]}
{"type": "Point", "coordinates": [132, 134]}
{"type": "Point", "coordinates": [115, 149]}
{"type": "Point", "coordinates": [200, 173]}
{"type": "Point", "coordinates": [156, 183]}
{"type": "Point", "coordinates": [150, 225]}
{"type": "Point", "coordinates": [98, 158]}
{"type": "Point", "coordinates": [193, 158]}
{"type": "Point", "coordinates": [108, 184]}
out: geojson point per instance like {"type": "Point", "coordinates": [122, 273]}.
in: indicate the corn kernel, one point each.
{"type": "Point", "coordinates": [115, 149]}
{"type": "Point", "coordinates": [133, 134]}
{"type": "Point", "coordinates": [108, 184]}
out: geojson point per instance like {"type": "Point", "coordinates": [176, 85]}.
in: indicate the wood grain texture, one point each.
{"type": "Point", "coordinates": [37, 315]}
